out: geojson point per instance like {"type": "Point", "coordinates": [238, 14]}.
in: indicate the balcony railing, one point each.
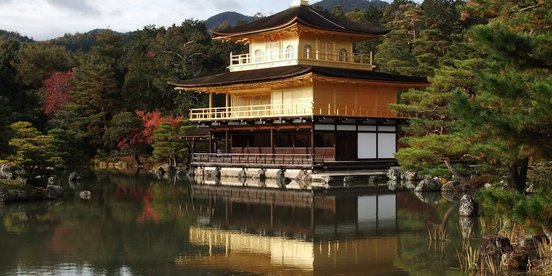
{"type": "Point", "coordinates": [237, 60]}
{"type": "Point", "coordinates": [256, 159]}
{"type": "Point", "coordinates": [290, 110]}
{"type": "Point", "coordinates": [249, 112]}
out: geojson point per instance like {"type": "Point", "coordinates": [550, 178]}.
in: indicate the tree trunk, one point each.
{"type": "Point", "coordinates": [453, 170]}
{"type": "Point", "coordinates": [137, 158]}
{"type": "Point", "coordinates": [518, 172]}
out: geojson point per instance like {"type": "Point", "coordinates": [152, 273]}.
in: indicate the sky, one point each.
{"type": "Point", "coordinates": [46, 19]}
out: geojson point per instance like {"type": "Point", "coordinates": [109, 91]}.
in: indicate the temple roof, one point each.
{"type": "Point", "coordinates": [304, 14]}
{"type": "Point", "coordinates": [279, 73]}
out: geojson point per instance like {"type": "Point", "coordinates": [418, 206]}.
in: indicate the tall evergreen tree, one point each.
{"type": "Point", "coordinates": [513, 108]}
{"type": "Point", "coordinates": [435, 143]}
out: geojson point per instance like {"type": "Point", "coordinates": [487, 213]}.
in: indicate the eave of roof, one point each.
{"type": "Point", "coordinates": [280, 73]}
{"type": "Point", "coordinates": [305, 15]}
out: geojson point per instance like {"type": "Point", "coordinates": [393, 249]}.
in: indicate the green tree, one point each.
{"type": "Point", "coordinates": [513, 107]}
{"type": "Point", "coordinates": [37, 62]}
{"type": "Point", "coordinates": [68, 147]}
{"type": "Point", "coordinates": [394, 54]}
{"type": "Point", "coordinates": [96, 98]}
{"type": "Point", "coordinates": [436, 143]}
{"type": "Point", "coordinates": [125, 133]}
{"type": "Point", "coordinates": [20, 104]}
{"type": "Point", "coordinates": [35, 152]}
{"type": "Point", "coordinates": [167, 144]}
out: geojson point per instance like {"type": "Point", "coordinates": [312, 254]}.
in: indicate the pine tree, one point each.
{"type": "Point", "coordinates": [512, 109]}
{"type": "Point", "coordinates": [435, 143]}
{"type": "Point", "coordinates": [167, 144]}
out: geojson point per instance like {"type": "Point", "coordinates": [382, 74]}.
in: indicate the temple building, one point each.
{"type": "Point", "coordinates": [300, 98]}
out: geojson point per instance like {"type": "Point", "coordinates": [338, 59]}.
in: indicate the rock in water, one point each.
{"type": "Point", "coordinates": [74, 177]}
{"type": "Point", "coordinates": [495, 245]}
{"type": "Point", "coordinates": [428, 185]}
{"type": "Point", "coordinates": [393, 174]}
{"type": "Point", "coordinates": [468, 206]}
{"type": "Point", "coordinates": [85, 195]}
{"type": "Point", "coordinates": [410, 176]}
{"type": "Point", "coordinates": [53, 192]}
{"type": "Point", "coordinates": [514, 260]}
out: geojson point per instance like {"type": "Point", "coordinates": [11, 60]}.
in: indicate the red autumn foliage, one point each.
{"type": "Point", "coordinates": [136, 138]}
{"type": "Point", "coordinates": [57, 91]}
{"type": "Point", "coordinates": [152, 120]}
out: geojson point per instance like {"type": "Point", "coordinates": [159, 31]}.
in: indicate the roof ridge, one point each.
{"type": "Point", "coordinates": [313, 10]}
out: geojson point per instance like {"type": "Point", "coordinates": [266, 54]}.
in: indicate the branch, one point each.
{"type": "Point", "coordinates": [531, 7]}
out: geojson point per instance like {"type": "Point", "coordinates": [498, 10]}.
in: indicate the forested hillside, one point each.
{"type": "Point", "coordinates": [488, 108]}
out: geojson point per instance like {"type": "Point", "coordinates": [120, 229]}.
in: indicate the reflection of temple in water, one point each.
{"type": "Point", "coordinates": [274, 231]}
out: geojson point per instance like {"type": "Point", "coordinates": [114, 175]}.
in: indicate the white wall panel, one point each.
{"type": "Point", "coordinates": [367, 145]}
{"type": "Point", "coordinates": [387, 145]}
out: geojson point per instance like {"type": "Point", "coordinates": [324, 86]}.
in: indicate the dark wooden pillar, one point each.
{"type": "Point", "coordinates": [312, 141]}
{"type": "Point", "coordinates": [272, 140]}
{"type": "Point", "coordinates": [210, 142]}
{"type": "Point", "coordinates": [226, 142]}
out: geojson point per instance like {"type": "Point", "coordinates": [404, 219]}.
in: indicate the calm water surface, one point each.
{"type": "Point", "coordinates": [140, 225]}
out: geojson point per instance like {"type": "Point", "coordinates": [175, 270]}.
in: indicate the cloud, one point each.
{"type": "Point", "coordinates": [226, 4]}
{"type": "Point", "coordinates": [81, 6]}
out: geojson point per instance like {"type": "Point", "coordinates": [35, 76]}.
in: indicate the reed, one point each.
{"type": "Point", "coordinates": [469, 259]}
{"type": "Point", "coordinates": [438, 234]}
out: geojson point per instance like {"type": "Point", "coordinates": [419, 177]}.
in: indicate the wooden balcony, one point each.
{"type": "Point", "coordinates": [249, 112]}
{"type": "Point", "coordinates": [240, 62]}
{"type": "Point", "coordinates": [272, 111]}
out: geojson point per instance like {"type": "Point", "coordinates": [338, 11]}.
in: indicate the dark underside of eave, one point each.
{"type": "Point", "coordinates": [280, 73]}
{"type": "Point", "coordinates": [306, 15]}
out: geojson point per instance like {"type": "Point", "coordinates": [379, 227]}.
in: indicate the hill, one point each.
{"type": "Point", "coordinates": [78, 41]}
{"type": "Point", "coordinates": [14, 36]}
{"type": "Point", "coordinates": [232, 18]}
{"type": "Point", "coordinates": [348, 5]}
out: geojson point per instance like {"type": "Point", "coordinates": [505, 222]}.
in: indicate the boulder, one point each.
{"type": "Point", "coordinates": [532, 244]}
{"type": "Point", "coordinates": [495, 245]}
{"type": "Point", "coordinates": [160, 172]}
{"type": "Point", "coordinates": [86, 195]}
{"type": "Point", "coordinates": [428, 185]}
{"type": "Point", "coordinates": [409, 176]}
{"type": "Point", "coordinates": [7, 172]}
{"type": "Point", "coordinates": [429, 198]}
{"type": "Point", "coordinates": [393, 174]}
{"type": "Point", "coordinates": [212, 174]}
{"type": "Point", "coordinates": [468, 206]}
{"type": "Point", "coordinates": [303, 175]}
{"type": "Point", "coordinates": [74, 177]}
{"type": "Point", "coordinates": [281, 178]}
{"type": "Point", "coordinates": [516, 260]}
{"type": "Point", "coordinates": [466, 227]}
{"type": "Point", "coordinates": [53, 192]}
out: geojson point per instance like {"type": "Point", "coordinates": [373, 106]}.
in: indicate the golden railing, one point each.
{"type": "Point", "coordinates": [316, 55]}
{"type": "Point", "coordinates": [290, 110]}
{"type": "Point", "coordinates": [249, 112]}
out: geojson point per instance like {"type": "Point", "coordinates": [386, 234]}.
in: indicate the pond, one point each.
{"type": "Point", "coordinates": [136, 224]}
